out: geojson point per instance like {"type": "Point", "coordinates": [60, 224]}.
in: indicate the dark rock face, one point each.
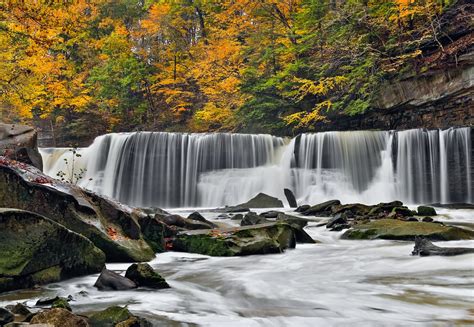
{"type": "Point", "coordinates": [290, 197]}
{"type": "Point", "coordinates": [6, 316]}
{"type": "Point", "coordinates": [436, 99]}
{"type": "Point", "coordinates": [395, 229]}
{"type": "Point", "coordinates": [37, 250]}
{"type": "Point", "coordinates": [253, 219]}
{"type": "Point", "coordinates": [298, 224]}
{"type": "Point", "coordinates": [112, 227]}
{"type": "Point", "coordinates": [338, 219]}
{"type": "Point", "coordinates": [424, 247]}
{"type": "Point", "coordinates": [19, 142]}
{"type": "Point", "coordinates": [109, 280]}
{"type": "Point", "coordinates": [248, 240]}
{"type": "Point", "coordinates": [426, 211]}
{"type": "Point", "coordinates": [198, 217]}
{"type": "Point", "coordinates": [59, 317]}
{"type": "Point", "coordinates": [322, 209]}
{"type": "Point", "coordinates": [143, 274]}
{"type": "Point", "coordinates": [303, 208]}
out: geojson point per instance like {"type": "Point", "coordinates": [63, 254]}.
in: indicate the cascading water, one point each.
{"type": "Point", "coordinates": [176, 170]}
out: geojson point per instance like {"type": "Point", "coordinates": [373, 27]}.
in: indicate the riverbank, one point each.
{"type": "Point", "coordinates": [334, 282]}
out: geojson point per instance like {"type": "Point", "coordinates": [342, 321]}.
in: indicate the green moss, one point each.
{"type": "Point", "coordinates": [204, 244]}
{"type": "Point", "coordinates": [395, 229]}
{"type": "Point", "coordinates": [110, 316]}
{"type": "Point", "coordinates": [49, 275]}
{"type": "Point", "coordinates": [61, 303]}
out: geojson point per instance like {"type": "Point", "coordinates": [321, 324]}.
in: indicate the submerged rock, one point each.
{"type": "Point", "coordinates": [110, 280]}
{"type": "Point", "coordinates": [424, 247]}
{"type": "Point", "coordinates": [37, 250]}
{"type": "Point", "coordinates": [112, 227]}
{"type": "Point", "coordinates": [290, 197]}
{"type": "Point", "coordinates": [426, 211]}
{"type": "Point", "coordinates": [143, 274]}
{"type": "Point", "coordinates": [59, 317]}
{"type": "Point", "coordinates": [395, 229]}
{"type": "Point", "coordinates": [248, 240]}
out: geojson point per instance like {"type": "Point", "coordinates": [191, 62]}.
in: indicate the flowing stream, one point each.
{"type": "Point", "coordinates": [334, 283]}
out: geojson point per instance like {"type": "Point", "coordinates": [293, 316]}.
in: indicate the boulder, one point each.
{"type": "Point", "coordinates": [338, 219]}
{"type": "Point", "coordinates": [303, 208]}
{"type": "Point", "coordinates": [6, 316]}
{"type": "Point", "coordinates": [253, 219]}
{"type": "Point", "coordinates": [424, 247]}
{"type": "Point", "coordinates": [109, 280]}
{"type": "Point", "coordinates": [110, 316]}
{"type": "Point", "coordinates": [19, 142]}
{"type": "Point", "coordinates": [178, 221]}
{"type": "Point", "coordinates": [402, 211]}
{"type": "Point", "coordinates": [238, 216]}
{"type": "Point", "coordinates": [134, 322]}
{"type": "Point", "coordinates": [290, 197]}
{"type": "Point", "coordinates": [270, 214]}
{"type": "Point", "coordinates": [248, 240]}
{"type": "Point", "coordinates": [426, 211]}
{"type": "Point", "coordinates": [384, 207]}
{"type": "Point", "coordinates": [111, 226]}
{"type": "Point", "coordinates": [143, 274]}
{"type": "Point", "coordinates": [351, 210]}
{"type": "Point", "coordinates": [298, 224]}
{"type": "Point", "coordinates": [427, 220]}
{"type": "Point", "coordinates": [59, 317]}
{"type": "Point", "coordinates": [322, 209]}
{"type": "Point", "coordinates": [395, 229]}
{"type": "Point", "coordinates": [198, 217]}
{"type": "Point", "coordinates": [261, 200]}
{"type": "Point", "coordinates": [21, 309]}
{"type": "Point", "coordinates": [37, 250]}
{"type": "Point", "coordinates": [155, 232]}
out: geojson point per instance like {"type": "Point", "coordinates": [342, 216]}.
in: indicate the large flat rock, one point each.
{"type": "Point", "coordinates": [395, 229]}
{"type": "Point", "coordinates": [235, 241]}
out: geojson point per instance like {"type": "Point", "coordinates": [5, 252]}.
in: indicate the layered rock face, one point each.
{"type": "Point", "coordinates": [19, 142]}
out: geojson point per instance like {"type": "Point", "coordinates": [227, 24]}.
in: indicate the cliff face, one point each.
{"type": "Point", "coordinates": [439, 99]}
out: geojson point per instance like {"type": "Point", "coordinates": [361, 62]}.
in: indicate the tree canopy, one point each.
{"type": "Point", "coordinates": [275, 66]}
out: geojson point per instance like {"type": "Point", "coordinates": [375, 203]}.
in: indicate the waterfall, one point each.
{"type": "Point", "coordinates": [188, 170]}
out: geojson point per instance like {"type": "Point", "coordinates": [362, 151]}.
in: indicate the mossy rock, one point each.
{"type": "Point", "coordinates": [248, 240]}
{"type": "Point", "coordinates": [36, 250]}
{"type": "Point", "coordinates": [59, 317]}
{"type": "Point", "coordinates": [112, 227]}
{"type": "Point", "coordinates": [394, 229]}
{"type": "Point", "coordinates": [61, 303]}
{"type": "Point", "coordinates": [144, 275]}
{"type": "Point", "coordinates": [110, 317]}
{"type": "Point", "coordinates": [426, 211]}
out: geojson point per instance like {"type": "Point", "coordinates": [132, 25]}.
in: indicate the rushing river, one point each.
{"type": "Point", "coordinates": [333, 283]}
